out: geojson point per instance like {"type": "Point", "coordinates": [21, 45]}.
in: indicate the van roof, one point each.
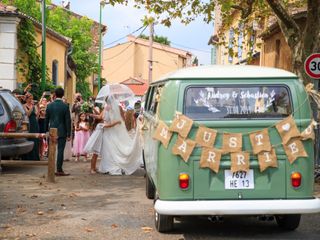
{"type": "Point", "coordinates": [228, 71]}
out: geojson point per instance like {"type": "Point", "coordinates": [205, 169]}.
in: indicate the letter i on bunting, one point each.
{"type": "Point", "coordinates": [267, 159]}
{"type": "Point", "coordinates": [294, 149]}
{"type": "Point", "coordinates": [162, 134]}
{"type": "Point", "coordinates": [260, 141]}
{"type": "Point", "coordinates": [232, 142]}
{"type": "Point", "coordinates": [210, 158]}
{"type": "Point", "coordinates": [240, 161]}
{"type": "Point", "coordinates": [181, 124]}
{"type": "Point", "coordinates": [287, 129]}
{"type": "Point", "coordinates": [205, 136]}
{"type": "Point", "coordinates": [308, 133]}
{"type": "Point", "coordinates": [183, 148]}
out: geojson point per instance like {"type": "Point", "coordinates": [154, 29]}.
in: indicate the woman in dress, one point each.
{"type": "Point", "coordinates": [81, 136]}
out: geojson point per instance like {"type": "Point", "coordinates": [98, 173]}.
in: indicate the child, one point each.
{"type": "Point", "coordinates": [81, 136]}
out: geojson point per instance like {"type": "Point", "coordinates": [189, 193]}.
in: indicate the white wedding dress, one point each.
{"type": "Point", "coordinates": [119, 151]}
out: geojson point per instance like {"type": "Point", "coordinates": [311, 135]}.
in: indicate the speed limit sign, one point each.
{"type": "Point", "coordinates": [312, 65]}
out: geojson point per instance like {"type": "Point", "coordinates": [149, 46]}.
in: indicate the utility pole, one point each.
{"type": "Point", "coordinates": [150, 52]}
{"type": "Point", "coordinates": [43, 55]}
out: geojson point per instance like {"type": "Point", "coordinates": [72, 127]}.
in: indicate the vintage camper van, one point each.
{"type": "Point", "coordinates": [260, 160]}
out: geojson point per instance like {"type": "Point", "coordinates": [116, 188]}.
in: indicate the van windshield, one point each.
{"type": "Point", "coordinates": [210, 102]}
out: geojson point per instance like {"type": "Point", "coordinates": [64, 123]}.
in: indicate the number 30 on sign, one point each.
{"type": "Point", "coordinates": [312, 65]}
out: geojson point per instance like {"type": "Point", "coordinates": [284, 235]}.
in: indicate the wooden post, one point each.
{"type": "Point", "coordinates": [52, 154]}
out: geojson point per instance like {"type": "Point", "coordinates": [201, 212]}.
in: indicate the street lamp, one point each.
{"type": "Point", "coordinates": [102, 4]}
{"type": "Point", "coordinates": [43, 45]}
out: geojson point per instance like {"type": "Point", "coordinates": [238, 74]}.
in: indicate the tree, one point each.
{"type": "Point", "coordinates": [302, 40]}
{"type": "Point", "coordinates": [158, 39]}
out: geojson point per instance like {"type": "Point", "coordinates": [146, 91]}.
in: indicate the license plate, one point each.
{"type": "Point", "coordinates": [238, 180]}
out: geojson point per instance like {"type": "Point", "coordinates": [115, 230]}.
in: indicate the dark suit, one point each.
{"type": "Point", "coordinates": [58, 116]}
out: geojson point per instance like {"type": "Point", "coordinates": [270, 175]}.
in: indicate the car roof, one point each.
{"type": "Point", "coordinates": [228, 71]}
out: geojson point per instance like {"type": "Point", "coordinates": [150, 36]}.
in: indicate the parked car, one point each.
{"type": "Point", "coordinates": [12, 119]}
{"type": "Point", "coordinates": [227, 99]}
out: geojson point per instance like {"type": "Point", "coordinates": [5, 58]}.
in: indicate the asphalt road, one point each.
{"type": "Point", "coordinates": [84, 206]}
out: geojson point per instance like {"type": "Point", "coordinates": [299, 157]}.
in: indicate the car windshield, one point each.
{"type": "Point", "coordinates": [216, 102]}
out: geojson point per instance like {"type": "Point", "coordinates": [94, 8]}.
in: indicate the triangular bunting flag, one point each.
{"type": "Point", "coordinates": [267, 159]}
{"type": "Point", "coordinates": [205, 136]}
{"type": "Point", "coordinates": [308, 133]}
{"type": "Point", "coordinates": [240, 161]}
{"type": "Point", "coordinates": [182, 125]}
{"type": "Point", "coordinates": [162, 134]}
{"type": "Point", "coordinates": [210, 158]}
{"type": "Point", "coordinates": [183, 148]}
{"type": "Point", "coordinates": [260, 141]}
{"type": "Point", "coordinates": [287, 129]}
{"type": "Point", "coordinates": [294, 149]}
{"type": "Point", "coordinates": [232, 142]}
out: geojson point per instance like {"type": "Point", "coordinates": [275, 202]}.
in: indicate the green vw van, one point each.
{"type": "Point", "coordinates": [233, 99]}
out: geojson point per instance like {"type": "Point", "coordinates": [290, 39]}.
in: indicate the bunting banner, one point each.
{"type": "Point", "coordinates": [308, 133]}
{"type": "Point", "coordinates": [232, 142]}
{"type": "Point", "coordinates": [205, 136]}
{"type": "Point", "coordinates": [210, 158]}
{"type": "Point", "coordinates": [240, 161]}
{"type": "Point", "coordinates": [260, 141]}
{"type": "Point", "coordinates": [267, 159]}
{"type": "Point", "coordinates": [162, 134]}
{"type": "Point", "coordinates": [294, 149]}
{"type": "Point", "coordinates": [183, 148]}
{"type": "Point", "coordinates": [182, 125]}
{"type": "Point", "coordinates": [287, 129]}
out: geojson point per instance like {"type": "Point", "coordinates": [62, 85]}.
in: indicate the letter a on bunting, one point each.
{"type": "Point", "coordinates": [240, 161]}
{"type": "Point", "coordinates": [294, 149]}
{"type": "Point", "coordinates": [183, 148]}
{"type": "Point", "coordinates": [182, 125]}
{"type": "Point", "coordinates": [308, 133]}
{"type": "Point", "coordinates": [287, 129]}
{"type": "Point", "coordinates": [205, 136]}
{"type": "Point", "coordinates": [232, 142]}
{"type": "Point", "coordinates": [267, 159]}
{"type": "Point", "coordinates": [162, 134]}
{"type": "Point", "coordinates": [210, 158]}
{"type": "Point", "coordinates": [260, 141]}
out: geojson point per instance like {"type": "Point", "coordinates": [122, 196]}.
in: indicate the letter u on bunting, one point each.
{"type": "Point", "coordinates": [240, 161]}
{"type": "Point", "coordinates": [287, 129]}
{"type": "Point", "coordinates": [162, 134]}
{"type": "Point", "coordinates": [181, 124]}
{"type": "Point", "coordinates": [294, 149]}
{"type": "Point", "coordinates": [210, 158]}
{"type": "Point", "coordinates": [260, 141]}
{"type": "Point", "coordinates": [308, 133]}
{"type": "Point", "coordinates": [183, 148]}
{"type": "Point", "coordinates": [205, 136]}
{"type": "Point", "coordinates": [267, 159]}
{"type": "Point", "coordinates": [232, 142]}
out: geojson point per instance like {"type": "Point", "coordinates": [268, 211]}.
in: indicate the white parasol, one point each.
{"type": "Point", "coordinates": [119, 91]}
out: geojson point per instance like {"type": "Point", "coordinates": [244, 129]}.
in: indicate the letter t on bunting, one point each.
{"type": "Point", "coordinates": [162, 134]}
{"type": "Point", "coordinates": [240, 161]}
{"type": "Point", "coordinates": [210, 158]}
{"type": "Point", "coordinates": [205, 136]}
{"type": "Point", "coordinates": [287, 129]}
{"type": "Point", "coordinates": [183, 148]}
{"type": "Point", "coordinates": [260, 141]}
{"type": "Point", "coordinates": [181, 124]}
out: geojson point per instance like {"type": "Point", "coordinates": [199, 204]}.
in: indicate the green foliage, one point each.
{"type": "Point", "coordinates": [158, 39]}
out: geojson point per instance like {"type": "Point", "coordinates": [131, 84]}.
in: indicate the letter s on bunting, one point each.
{"type": "Point", "coordinates": [205, 136]}
{"type": "Point", "coordinates": [232, 142]}
{"type": "Point", "coordinates": [210, 158]}
{"type": "Point", "coordinates": [162, 134]}
{"type": "Point", "coordinates": [183, 148]}
{"type": "Point", "coordinates": [182, 125]}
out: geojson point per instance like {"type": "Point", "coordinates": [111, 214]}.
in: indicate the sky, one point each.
{"type": "Point", "coordinates": [123, 20]}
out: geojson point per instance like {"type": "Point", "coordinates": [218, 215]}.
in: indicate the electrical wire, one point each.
{"type": "Point", "coordinates": [108, 44]}
{"type": "Point", "coordinates": [195, 49]}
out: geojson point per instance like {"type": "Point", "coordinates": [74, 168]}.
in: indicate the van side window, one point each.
{"type": "Point", "coordinates": [148, 99]}
{"type": "Point", "coordinates": [155, 99]}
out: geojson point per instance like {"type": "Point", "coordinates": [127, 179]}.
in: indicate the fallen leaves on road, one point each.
{"type": "Point", "coordinates": [40, 213]}
{"type": "Point", "coordinates": [89, 229]}
{"type": "Point", "coordinates": [147, 229]}
{"type": "Point", "coordinates": [33, 196]}
{"type": "Point", "coordinates": [114, 225]}
{"type": "Point", "coordinates": [71, 195]}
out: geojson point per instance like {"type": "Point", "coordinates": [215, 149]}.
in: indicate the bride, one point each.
{"type": "Point", "coordinates": [119, 152]}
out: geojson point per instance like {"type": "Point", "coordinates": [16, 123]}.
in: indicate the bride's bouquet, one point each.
{"type": "Point", "coordinates": [87, 107]}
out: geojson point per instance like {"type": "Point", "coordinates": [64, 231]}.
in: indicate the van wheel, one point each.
{"type": "Point", "coordinates": [149, 188]}
{"type": "Point", "coordinates": [288, 222]}
{"type": "Point", "coordinates": [164, 223]}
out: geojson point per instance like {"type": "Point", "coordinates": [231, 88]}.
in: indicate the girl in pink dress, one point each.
{"type": "Point", "coordinates": [81, 136]}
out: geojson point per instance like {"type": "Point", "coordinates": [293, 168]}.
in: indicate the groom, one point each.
{"type": "Point", "coordinates": [58, 116]}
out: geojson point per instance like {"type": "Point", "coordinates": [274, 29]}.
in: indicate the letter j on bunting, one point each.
{"type": "Point", "coordinates": [260, 141]}
{"type": "Point", "coordinates": [162, 134]}
{"type": "Point", "coordinates": [210, 158]}
{"type": "Point", "coordinates": [183, 148]}
{"type": "Point", "coordinates": [287, 129]}
{"type": "Point", "coordinates": [181, 124]}
{"type": "Point", "coordinates": [240, 161]}
{"type": "Point", "coordinates": [205, 136]}
{"type": "Point", "coordinates": [294, 149]}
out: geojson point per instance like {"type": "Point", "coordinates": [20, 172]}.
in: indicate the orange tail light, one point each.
{"type": "Point", "coordinates": [184, 181]}
{"type": "Point", "coordinates": [296, 179]}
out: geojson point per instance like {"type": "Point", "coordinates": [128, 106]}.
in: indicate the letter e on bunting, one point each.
{"type": "Point", "coordinates": [210, 158]}
{"type": "Point", "coordinates": [205, 136]}
{"type": "Point", "coordinates": [162, 134]}
{"type": "Point", "coordinates": [308, 133]}
{"type": "Point", "coordinates": [240, 161]}
{"type": "Point", "coordinates": [232, 142]}
{"type": "Point", "coordinates": [260, 141]}
{"type": "Point", "coordinates": [287, 129]}
{"type": "Point", "coordinates": [267, 159]}
{"type": "Point", "coordinates": [181, 124]}
{"type": "Point", "coordinates": [294, 149]}
{"type": "Point", "coordinates": [183, 148]}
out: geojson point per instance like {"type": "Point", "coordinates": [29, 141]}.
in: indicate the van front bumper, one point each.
{"type": "Point", "coordinates": [237, 207]}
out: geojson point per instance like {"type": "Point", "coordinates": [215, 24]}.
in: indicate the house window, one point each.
{"type": "Point", "coordinates": [240, 41]}
{"type": "Point", "coordinates": [55, 72]}
{"type": "Point", "coordinates": [231, 38]}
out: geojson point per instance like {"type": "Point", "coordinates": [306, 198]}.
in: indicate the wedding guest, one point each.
{"type": "Point", "coordinates": [81, 136]}
{"type": "Point", "coordinates": [43, 148]}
